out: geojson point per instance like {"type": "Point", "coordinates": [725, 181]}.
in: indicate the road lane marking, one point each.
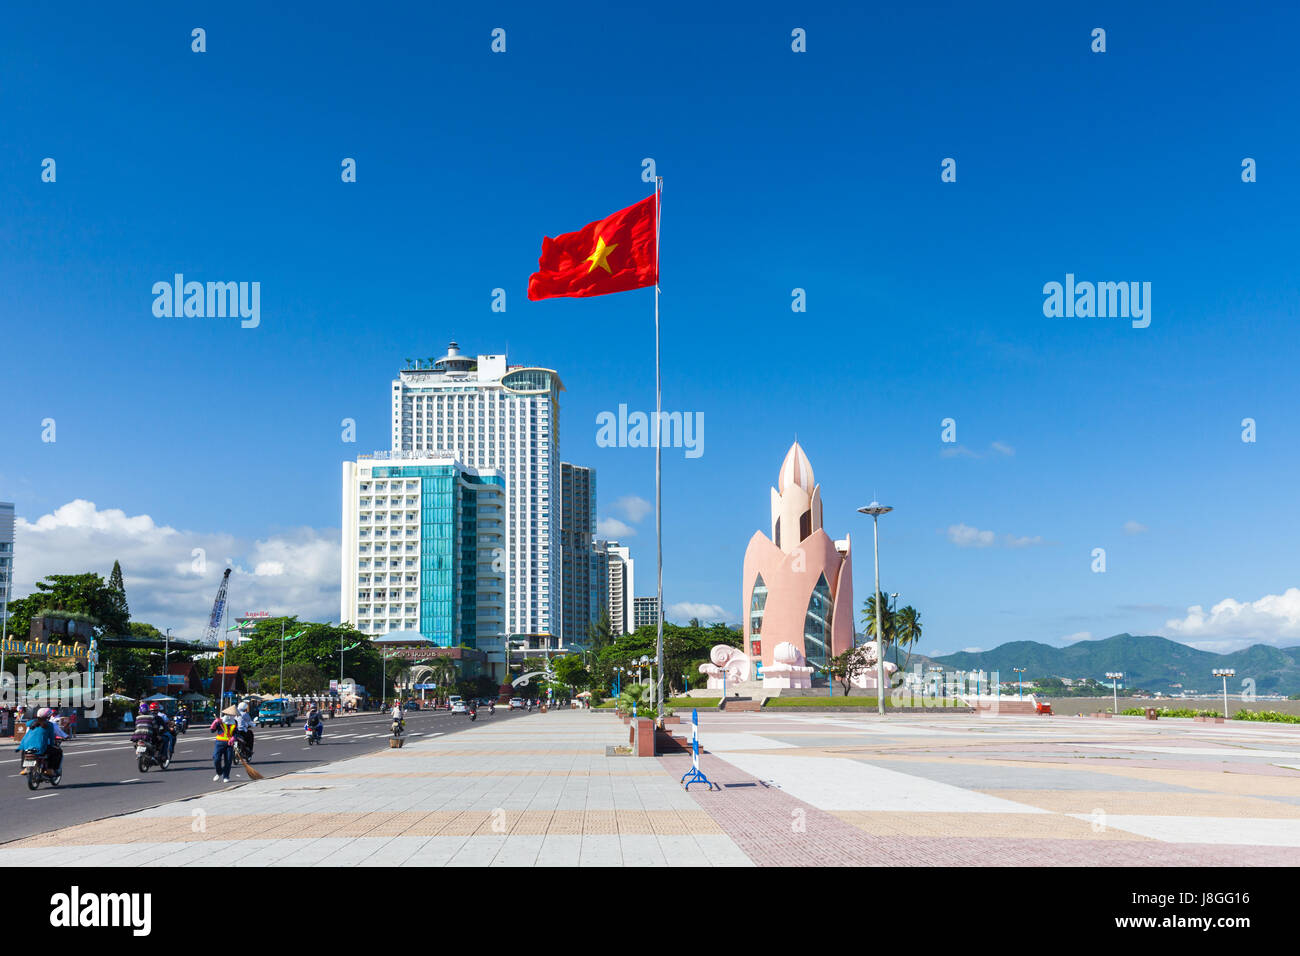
{"type": "Point", "coordinates": [85, 765]}
{"type": "Point", "coordinates": [42, 796]}
{"type": "Point", "coordinates": [277, 753]}
{"type": "Point", "coordinates": [132, 780]}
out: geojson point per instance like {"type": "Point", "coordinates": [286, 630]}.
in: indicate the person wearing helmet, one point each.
{"type": "Point", "coordinates": [162, 729]}
{"type": "Point", "coordinates": [41, 740]}
{"type": "Point", "coordinates": [244, 726]}
{"type": "Point", "coordinates": [314, 722]}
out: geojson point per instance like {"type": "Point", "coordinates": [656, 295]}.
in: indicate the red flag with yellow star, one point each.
{"type": "Point", "coordinates": [613, 254]}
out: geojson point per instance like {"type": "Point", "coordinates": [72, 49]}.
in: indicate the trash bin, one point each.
{"type": "Point", "coordinates": [1152, 714]}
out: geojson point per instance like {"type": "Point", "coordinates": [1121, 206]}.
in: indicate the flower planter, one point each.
{"type": "Point", "coordinates": [396, 742]}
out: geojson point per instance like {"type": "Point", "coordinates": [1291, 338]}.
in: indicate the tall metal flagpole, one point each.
{"type": "Point", "coordinates": [659, 490]}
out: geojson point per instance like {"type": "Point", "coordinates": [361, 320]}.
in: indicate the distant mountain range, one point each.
{"type": "Point", "coordinates": [1148, 663]}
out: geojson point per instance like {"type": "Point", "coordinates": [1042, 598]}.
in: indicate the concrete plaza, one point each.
{"type": "Point", "coordinates": [792, 789]}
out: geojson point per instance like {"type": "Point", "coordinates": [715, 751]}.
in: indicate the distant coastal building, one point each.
{"type": "Point", "coordinates": [645, 612]}
{"type": "Point", "coordinates": [619, 570]}
{"type": "Point", "coordinates": [797, 585]}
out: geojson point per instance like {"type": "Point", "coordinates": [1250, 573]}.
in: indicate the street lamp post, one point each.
{"type": "Point", "coordinates": [876, 509]}
{"type": "Point", "coordinates": [1115, 677]}
{"type": "Point", "coordinates": [167, 649]}
{"type": "Point", "coordinates": [1225, 673]}
{"type": "Point", "coordinates": [1021, 672]}
{"type": "Point", "coordinates": [935, 670]}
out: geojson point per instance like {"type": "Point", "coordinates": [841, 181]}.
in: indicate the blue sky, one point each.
{"type": "Point", "coordinates": [818, 171]}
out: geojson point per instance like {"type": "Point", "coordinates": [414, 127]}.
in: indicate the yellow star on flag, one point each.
{"type": "Point", "coordinates": [601, 255]}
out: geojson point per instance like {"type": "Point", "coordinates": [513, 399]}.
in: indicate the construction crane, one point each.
{"type": "Point", "coordinates": [218, 609]}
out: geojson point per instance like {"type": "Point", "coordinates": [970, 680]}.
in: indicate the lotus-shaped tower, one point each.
{"type": "Point", "coordinates": [797, 585]}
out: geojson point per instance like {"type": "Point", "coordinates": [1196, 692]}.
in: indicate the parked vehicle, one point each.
{"type": "Point", "coordinates": [277, 712]}
{"type": "Point", "coordinates": [412, 705]}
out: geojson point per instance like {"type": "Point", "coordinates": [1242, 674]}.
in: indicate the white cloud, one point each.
{"type": "Point", "coordinates": [966, 650]}
{"type": "Point", "coordinates": [1231, 624]}
{"type": "Point", "coordinates": [964, 536]}
{"type": "Point", "coordinates": [1002, 448]}
{"type": "Point", "coordinates": [292, 572]}
{"type": "Point", "coordinates": [633, 507]}
{"type": "Point", "coordinates": [1076, 637]}
{"type": "Point", "coordinates": [1134, 527]}
{"type": "Point", "coordinates": [958, 451]}
{"type": "Point", "coordinates": [613, 528]}
{"type": "Point", "coordinates": [685, 610]}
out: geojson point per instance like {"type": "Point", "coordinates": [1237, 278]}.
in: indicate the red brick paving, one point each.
{"type": "Point", "coordinates": [762, 821]}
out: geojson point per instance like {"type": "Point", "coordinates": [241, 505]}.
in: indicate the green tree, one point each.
{"type": "Point", "coordinates": [845, 667]}
{"type": "Point", "coordinates": [887, 622]}
{"type": "Point", "coordinates": [907, 621]}
{"type": "Point", "coordinates": [118, 587]}
{"type": "Point", "coordinates": [569, 670]}
{"type": "Point", "coordinates": [86, 593]}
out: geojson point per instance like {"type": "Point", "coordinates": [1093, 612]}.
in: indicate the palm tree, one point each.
{"type": "Point", "coordinates": [444, 673]}
{"type": "Point", "coordinates": [632, 694]}
{"type": "Point", "coordinates": [887, 622]}
{"type": "Point", "coordinates": [908, 623]}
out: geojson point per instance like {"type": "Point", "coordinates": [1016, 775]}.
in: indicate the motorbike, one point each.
{"type": "Point", "coordinates": [473, 713]}
{"type": "Point", "coordinates": [38, 771]}
{"type": "Point", "coordinates": [147, 753]}
{"type": "Point", "coordinates": [399, 727]}
{"type": "Point", "coordinates": [242, 746]}
{"type": "Point", "coordinates": [182, 723]}
{"type": "Point", "coordinates": [313, 734]}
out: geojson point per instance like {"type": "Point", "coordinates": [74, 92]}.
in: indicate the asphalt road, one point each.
{"type": "Point", "coordinates": [101, 779]}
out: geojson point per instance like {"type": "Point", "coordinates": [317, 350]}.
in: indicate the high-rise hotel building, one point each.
{"type": "Point", "coordinates": [488, 414]}
{"type": "Point", "coordinates": [422, 542]}
{"type": "Point", "coordinates": [6, 555]}
{"type": "Point", "coordinates": [584, 573]}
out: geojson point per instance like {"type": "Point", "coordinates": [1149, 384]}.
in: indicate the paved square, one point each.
{"type": "Point", "coordinates": [793, 789]}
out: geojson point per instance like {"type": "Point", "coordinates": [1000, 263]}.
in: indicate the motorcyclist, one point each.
{"type": "Point", "coordinates": [314, 722]}
{"type": "Point", "coordinates": [42, 740]}
{"type": "Point", "coordinates": [244, 726]}
{"type": "Point", "coordinates": [163, 736]}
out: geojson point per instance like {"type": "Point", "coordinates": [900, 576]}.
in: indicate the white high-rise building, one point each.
{"type": "Point", "coordinates": [621, 583]}
{"type": "Point", "coordinates": [421, 538]}
{"type": "Point", "coordinates": [488, 414]}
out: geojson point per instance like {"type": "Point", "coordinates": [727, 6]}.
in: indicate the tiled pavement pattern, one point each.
{"type": "Point", "coordinates": [957, 790]}
{"type": "Point", "coordinates": [797, 789]}
{"type": "Point", "coordinates": [531, 791]}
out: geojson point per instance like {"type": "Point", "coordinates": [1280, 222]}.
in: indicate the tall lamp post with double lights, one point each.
{"type": "Point", "coordinates": [1115, 677]}
{"type": "Point", "coordinates": [1021, 672]}
{"type": "Point", "coordinates": [876, 509]}
{"type": "Point", "coordinates": [1225, 673]}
